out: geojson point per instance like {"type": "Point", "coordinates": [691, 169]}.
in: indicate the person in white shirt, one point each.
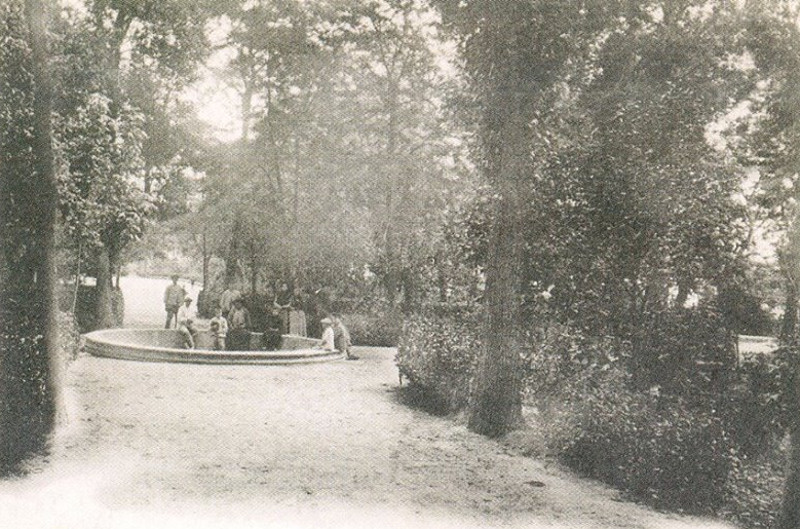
{"type": "Point", "coordinates": [327, 335]}
{"type": "Point", "coordinates": [186, 312]}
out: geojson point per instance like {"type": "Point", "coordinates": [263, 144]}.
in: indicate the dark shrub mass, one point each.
{"type": "Point", "coordinates": [671, 416]}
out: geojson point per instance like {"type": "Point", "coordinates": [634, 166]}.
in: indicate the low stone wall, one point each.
{"type": "Point", "coordinates": [166, 345]}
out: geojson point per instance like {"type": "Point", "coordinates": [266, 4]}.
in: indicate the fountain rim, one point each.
{"type": "Point", "coordinates": [104, 344]}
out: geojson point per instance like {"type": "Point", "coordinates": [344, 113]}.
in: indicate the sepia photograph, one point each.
{"type": "Point", "coordinates": [441, 264]}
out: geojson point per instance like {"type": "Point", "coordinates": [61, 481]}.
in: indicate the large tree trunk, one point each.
{"type": "Point", "coordinates": [508, 95]}
{"type": "Point", "coordinates": [790, 509]}
{"type": "Point", "coordinates": [29, 368]}
{"type": "Point", "coordinates": [497, 396]}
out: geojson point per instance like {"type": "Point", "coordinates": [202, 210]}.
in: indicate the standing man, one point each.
{"type": "Point", "coordinates": [226, 300]}
{"type": "Point", "coordinates": [173, 298]}
{"type": "Point", "coordinates": [283, 302]}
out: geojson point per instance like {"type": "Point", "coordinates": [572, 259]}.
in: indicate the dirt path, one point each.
{"type": "Point", "coordinates": [327, 445]}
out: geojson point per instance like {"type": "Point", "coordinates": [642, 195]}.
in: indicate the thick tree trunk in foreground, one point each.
{"type": "Point", "coordinates": [496, 406]}
{"type": "Point", "coordinates": [28, 338]}
{"type": "Point", "coordinates": [790, 508]}
{"type": "Point", "coordinates": [497, 397]}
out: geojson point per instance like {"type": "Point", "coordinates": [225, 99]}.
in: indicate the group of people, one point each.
{"type": "Point", "coordinates": [230, 327]}
{"type": "Point", "coordinates": [180, 313]}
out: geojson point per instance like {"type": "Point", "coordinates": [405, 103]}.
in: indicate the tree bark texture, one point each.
{"type": "Point", "coordinates": [789, 323]}
{"type": "Point", "coordinates": [104, 314]}
{"type": "Point", "coordinates": [496, 406]}
{"type": "Point", "coordinates": [790, 508]}
{"type": "Point", "coordinates": [29, 366]}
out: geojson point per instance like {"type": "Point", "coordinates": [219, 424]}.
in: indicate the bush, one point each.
{"type": "Point", "coordinates": [754, 491]}
{"type": "Point", "coordinates": [69, 337]}
{"type": "Point", "coordinates": [654, 446]}
{"type": "Point", "coordinates": [84, 308]}
{"type": "Point", "coordinates": [759, 412]}
{"type": "Point", "coordinates": [759, 406]}
{"type": "Point", "coordinates": [437, 353]}
{"type": "Point", "coordinates": [380, 328]}
{"type": "Point", "coordinates": [687, 352]}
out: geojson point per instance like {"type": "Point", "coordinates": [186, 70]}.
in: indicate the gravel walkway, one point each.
{"type": "Point", "coordinates": [321, 445]}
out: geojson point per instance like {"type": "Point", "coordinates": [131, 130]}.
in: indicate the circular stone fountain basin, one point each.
{"type": "Point", "coordinates": [165, 345]}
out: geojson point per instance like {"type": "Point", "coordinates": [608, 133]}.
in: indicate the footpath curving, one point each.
{"type": "Point", "coordinates": [183, 446]}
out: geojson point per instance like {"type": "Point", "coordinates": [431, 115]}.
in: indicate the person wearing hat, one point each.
{"type": "Point", "coordinates": [173, 297]}
{"type": "Point", "coordinates": [186, 312]}
{"type": "Point", "coordinates": [327, 335]}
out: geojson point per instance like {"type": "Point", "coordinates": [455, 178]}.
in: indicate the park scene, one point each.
{"type": "Point", "coordinates": [400, 263]}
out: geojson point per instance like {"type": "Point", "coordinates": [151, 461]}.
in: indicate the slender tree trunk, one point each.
{"type": "Point", "coordinates": [206, 261]}
{"type": "Point", "coordinates": [253, 272]}
{"type": "Point", "coordinates": [247, 102]}
{"type": "Point", "coordinates": [29, 364]}
{"type": "Point", "coordinates": [105, 262]}
{"type": "Point", "coordinates": [392, 272]}
{"type": "Point", "coordinates": [103, 316]}
{"type": "Point", "coordinates": [789, 323]}
{"type": "Point", "coordinates": [233, 252]}
{"type": "Point", "coordinates": [77, 277]}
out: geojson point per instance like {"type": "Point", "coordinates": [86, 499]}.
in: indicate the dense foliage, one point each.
{"type": "Point", "coordinates": [437, 354]}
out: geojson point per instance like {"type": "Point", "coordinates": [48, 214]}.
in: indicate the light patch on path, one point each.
{"type": "Point", "coordinates": [323, 445]}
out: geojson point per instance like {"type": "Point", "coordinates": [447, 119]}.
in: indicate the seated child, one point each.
{"type": "Point", "coordinates": [187, 330]}
{"type": "Point", "coordinates": [327, 336]}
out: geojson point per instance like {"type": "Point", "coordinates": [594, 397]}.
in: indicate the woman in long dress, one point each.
{"type": "Point", "coordinates": [283, 302]}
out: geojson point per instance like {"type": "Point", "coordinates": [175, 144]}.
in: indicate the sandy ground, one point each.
{"type": "Point", "coordinates": [323, 445]}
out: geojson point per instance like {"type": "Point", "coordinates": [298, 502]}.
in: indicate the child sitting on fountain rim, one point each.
{"type": "Point", "coordinates": [187, 330]}
{"type": "Point", "coordinates": [327, 336]}
{"type": "Point", "coordinates": [341, 337]}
